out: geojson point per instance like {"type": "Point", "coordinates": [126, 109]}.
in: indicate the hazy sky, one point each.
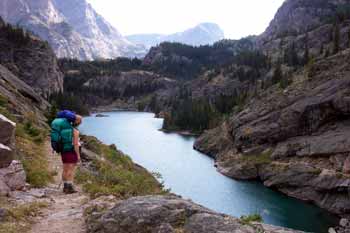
{"type": "Point", "coordinates": [238, 18]}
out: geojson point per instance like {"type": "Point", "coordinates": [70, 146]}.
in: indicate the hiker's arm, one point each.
{"type": "Point", "coordinates": [76, 143]}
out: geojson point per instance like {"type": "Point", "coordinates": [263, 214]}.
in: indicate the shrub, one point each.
{"type": "Point", "coordinates": [248, 219]}
{"type": "Point", "coordinates": [35, 162]}
{"type": "Point", "coordinates": [115, 174]}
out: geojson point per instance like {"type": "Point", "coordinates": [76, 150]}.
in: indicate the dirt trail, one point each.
{"type": "Point", "coordinates": [65, 213]}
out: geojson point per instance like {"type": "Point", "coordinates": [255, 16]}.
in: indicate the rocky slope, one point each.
{"type": "Point", "coordinates": [186, 62]}
{"type": "Point", "coordinates": [307, 24]}
{"type": "Point", "coordinates": [169, 214]}
{"type": "Point", "coordinates": [123, 90]}
{"type": "Point", "coordinates": [202, 34]}
{"type": "Point", "coordinates": [294, 140]}
{"type": "Point", "coordinates": [72, 28]}
{"type": "Point", "coordinates": [31, 60]}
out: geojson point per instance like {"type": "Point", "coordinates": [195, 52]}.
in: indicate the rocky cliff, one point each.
{"type": "Point", "coordinates": [307, 25]}
{"type": "Point", "coordinates": [202, 34]}
{"type": "Point", "coordinates": [294, 140]}
{"type": "Point", "coordinates": [30, 59]}
{"type": "Point", "coordinates": [72, 28]}
{"type": "Point", "coordinates": [170, 214]}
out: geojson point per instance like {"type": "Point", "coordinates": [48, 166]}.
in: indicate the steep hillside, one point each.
{"type": "Point", "coordinates": [317, 27]}
{"type": "Point", "coordinates": [294, 140]}
{"type": "Point", "coordinates": [72, 28]}
{"type": "Point", "coordinates": [293, 136]}
{"type": "Point", "coordinates": [30, 59]}
{"type": "Point", "coordinates": [121, 83]}
{"type": "Point", "coordinates": [202, 34]}
{"type": "Point", "coordinates": [186, 62]}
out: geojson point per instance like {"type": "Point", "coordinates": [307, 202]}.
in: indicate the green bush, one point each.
{"type": "Point", "coordinates": [115, 174]}
{"type": "Point", "coordinates": [248, 219]}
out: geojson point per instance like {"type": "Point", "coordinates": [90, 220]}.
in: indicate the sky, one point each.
{"type": "Point", "coordinates": [238, 18]}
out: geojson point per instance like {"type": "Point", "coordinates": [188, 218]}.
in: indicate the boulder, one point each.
{"type": "Point", "coordinates": [3, 214]}
{"type": "Point", "coordinates": [14, 176]}
{"type": "Point", "coordinates": [344, 222]}
{"type": "Point", "coordinates": [7, 141]}
{"type": "Point", "coordinates": [6, 156]}
{"type": "Point", "coordinates": [7, 133]}
{"type": "Point", "coordinates": [4, 189]}
{"type": "Point", "coordinates": [167, 214]}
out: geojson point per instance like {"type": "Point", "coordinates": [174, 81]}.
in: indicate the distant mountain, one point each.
{"type": "Point", "coordinates": [72, 28]}
{"type": "Point", "coordinates": [202, 34]}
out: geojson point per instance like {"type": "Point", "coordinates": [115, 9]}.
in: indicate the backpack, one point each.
{"type": "Point", "coordinates": [69, 115]}
{"type": "Point", "coordinates": [62, 135]}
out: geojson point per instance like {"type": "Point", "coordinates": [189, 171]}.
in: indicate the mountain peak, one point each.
{"type": "Point", "coordinates": [72, 27]}
{"type": "Point", "coordinates": [202, 34]}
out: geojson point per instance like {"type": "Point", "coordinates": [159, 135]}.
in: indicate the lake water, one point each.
{"type": "Point", "coordinates": [193, 175]}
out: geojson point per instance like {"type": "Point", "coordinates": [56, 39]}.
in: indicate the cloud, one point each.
{"type": "Point", "coordinates": [238, 18]}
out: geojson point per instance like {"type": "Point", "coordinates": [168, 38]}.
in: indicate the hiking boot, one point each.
{"type": "Point", "coordinates": [69, 189]}
{"type": "Point", "coordinates": [65, 187]}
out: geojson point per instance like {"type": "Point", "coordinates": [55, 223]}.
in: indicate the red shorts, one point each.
{"type": "Point", "coordinates": [69, 157]}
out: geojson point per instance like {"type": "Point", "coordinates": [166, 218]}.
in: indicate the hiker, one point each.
{"type": "Point", "coordinates": [65, 141]}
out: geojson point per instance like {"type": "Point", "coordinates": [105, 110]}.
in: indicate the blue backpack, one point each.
{"type": "Point", "coordinates": [69, 115]}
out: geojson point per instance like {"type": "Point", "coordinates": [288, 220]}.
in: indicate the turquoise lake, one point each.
{"type": "Point", "coordinates": [192, 175]}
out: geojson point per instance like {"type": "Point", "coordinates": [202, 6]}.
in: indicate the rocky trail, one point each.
{"type": "Point", "coordinates": [65, 212]}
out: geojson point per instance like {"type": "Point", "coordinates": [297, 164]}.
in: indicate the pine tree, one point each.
{"type": "Point", "coordinates": [336, 38]}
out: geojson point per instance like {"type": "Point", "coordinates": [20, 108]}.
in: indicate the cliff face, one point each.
{"type": "Point", "coordinates": [307, 24]}
{"type": "Point", "coordinates": [295, 139]}
{"type": "Point", "coordinates": [124, 90]}
{"type": "Point", "coordinates": [72, 28]}
{"type": "Point", "coordinates": [31, 60]}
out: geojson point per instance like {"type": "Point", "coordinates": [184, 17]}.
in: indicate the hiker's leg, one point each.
{"type": "Point", "coordinates": [70, 172]}
{"type": "Point", "coordinates": [65, 172]}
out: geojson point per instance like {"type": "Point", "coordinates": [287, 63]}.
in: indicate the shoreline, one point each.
{"type": "Point", "coordinates": [181, 132]}
{"type": "Point", "coordinates": [190, 134]}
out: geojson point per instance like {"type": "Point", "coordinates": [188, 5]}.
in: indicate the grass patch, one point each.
{"type": "Point", "coordinates": [30, 138]}
{"type": "Point", "coordinates": [19, 217]}
{"type": "Point", "coordinates": [29, 141]}
{"type": "Point", "coordinates": [35, 162]}
{"type": "Point", "coordinates": [248, 219]}
{"type": "Point", "coordinates": [30, 131]}
{"type": "Point", "coordinates": [263, 158]}
{"type": "Point", "coordinates": [3, 101]}
{"type": "Point", "coordinates": [115, 174]}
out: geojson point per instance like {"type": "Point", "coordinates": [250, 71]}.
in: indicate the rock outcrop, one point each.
{"type": "Point", "coordinates": [19, 97]}
{"type": "Point", "coordinates": [300, 24]}
{"type": "Point", "coordinates": [124, 89]}
{"type": "Point", "coordinates": [7, 141]}
{"type": "Point", "coordinates": [12, 175]}
{"type": "Point", "coordinates": [12, 178]}
{"type": "Point", "coordinates": [294, 140]}
{"type": "Point", "coordinates": [31, 60]}
{"type": "Point", "coordinates": [169, 214]}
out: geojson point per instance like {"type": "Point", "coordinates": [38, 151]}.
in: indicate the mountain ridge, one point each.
{"type": "Point", "coordinates": [201, 34]}
{"type": "Point", "coordinates": [73, 28]}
